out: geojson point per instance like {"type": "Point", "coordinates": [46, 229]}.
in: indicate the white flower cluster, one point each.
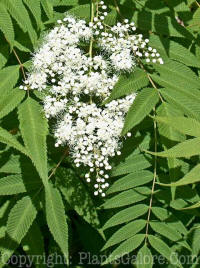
{"type": "Point", "coordinates": [93, 134]}
{"type": "Point", "coordinates": [124, 47]}
{"type": "Point", "coordinates": [76, 83]}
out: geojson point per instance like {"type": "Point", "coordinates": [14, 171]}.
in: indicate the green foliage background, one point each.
{"type": "Point", "coordinates": [152, 205]}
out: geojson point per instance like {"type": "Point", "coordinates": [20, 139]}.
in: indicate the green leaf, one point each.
{"type": "Point", "coordinates": [194, 23]}
{"type": "Point", "coordinates": [173, 50]}
{"type": "Point", "coordinates": [130, 181]}
{"type": "Point", "coordinates": [143, 104]}
{"type": "Point", "coordinates": [195, 240]}
{"type": "Point", "coordinates": [160, 24]}
{"type": "Point", "coordinates": [34, 6]}
{"type": "Point", "coordinates": [168, 136]}
{"type": "Point", "coordinates": [81, 11]}
{"type": "Point", "coordinates": [176, 92]}
{"type": "Point", "coordinates": [65, 2]}
{"type": "Point", "coordinates": [192, 177]}
{"type": "Point", "coordinates": [197, 205]}
{"type": "Point", "coordinates": [161, 213]}
{"type": "Point", "coordinates": [21, 48]}
{"type": "Point", "coordinates": [127, 198]}
{"type": "Point", "coordinates": [6, 25]}
{"type": "Point", "coordinates": [34, 129]}
{"type": "Point", "coordinates": [178, 6]}
{"type": "Point", "coordinates": [175, 73]}
{"type": "Point", "coordinates": [144, 258]}
{"type": "Point", "coordinates": [48, 8]}
{"type": "Point", "coordinates": [15, 184]}
{"type": "Point", "coordinates": [12, 165]}
{"type": "Point", "coordinates": [8, 78]}
{"type": "Point", "coordinates": [131, 164]}
{"type": "Point", "coordinates": [165, 130]}
{"type": "Point", "coordinates": [187, 148]}
{"type": "Point", "coordinates": [18, 11]}
{"type": "Point", "coordinates": [187, 126]}
{"type": "Point", "coordinates": [111, 18]}
{"type": "Point", "coordinates": [10, 101]}
{"type": "Point", "coordinates": [165, 215]}
{"type": "Point", "coordinates": [129, 83]}
{"type": "Point", "coordinates": [4, 54]}
{"type": "Point", "coordinates": [56, 219]}
{"type": "Point", "coordinates": [20, 219]}
{"type": "Point", "coordinates": [126, 215]}
{"type": "Point", "coordinates": [4, 207]}
{"type": "Point", "coordinates": [165, 230]}
{"type": "Point", "coordinates": [125, 232]}
{"type": "Point", "coordinates": [162, 248]}
{"type": "Point", "coordinates": [7, 138]}
{"type": "Point", "coordinates": [125, 248]}
{"type": "Point", "coordinates": [186, 102]}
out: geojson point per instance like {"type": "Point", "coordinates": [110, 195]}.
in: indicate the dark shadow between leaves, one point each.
{"type": "Point", "coordinates": [76, 195]}
{"type": "Point", "coordinates": [30, 176]}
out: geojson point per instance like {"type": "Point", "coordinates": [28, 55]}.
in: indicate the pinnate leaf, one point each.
{"type": "Point", "coordinates": [143, 104]}
{"type": "Point", "coordinates": [34, 129]}
{"type": "Point", "coordinates": [144, 258]}
{"type": "Point", "coordinates": [126, 215]}
{"type": "Point", "coordinates": [187, 126]}
{"type": "Point", "coordinates": [56, 219]}
{"type": "Point", "coordinates": [10, 140]}
{"type": "Point", "coordinates": [125, 248]}
{"type": "Point", "coordinates": [125, 232]}
{"type": "Point", "coordinates": [10, 101]}
{"type": "Point", "coordinates": [187, 148]}
{"type": "Point", "coordinates": [14, 184]}
{"type": "Point", "coordinates": [128, 84]}
{"type": "Point", "coordinates": [163, 249]}
{"type": "Point", "coordinates": [20, 220]}
{"type": "Point", "coordinates": [191, 177]}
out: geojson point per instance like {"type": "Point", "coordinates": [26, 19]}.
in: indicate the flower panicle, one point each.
{"type": "Point", "coordinates": [76, 84]}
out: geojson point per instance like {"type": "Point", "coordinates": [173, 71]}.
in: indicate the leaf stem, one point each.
{"type": "Point", "coordinates": [155, 137]}
{"type": "Point", "coordinates": [154, 180]}
{"type": "Point", "coordinates": [59, 163]}
{"type": "Point", "coordinates": [150, 80]}
{"type": "Point", "coordinates": [52, 173]}
{"type": "Point", "coordinates": [20, 63]}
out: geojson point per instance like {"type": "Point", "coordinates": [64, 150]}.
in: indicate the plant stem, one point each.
{"type": "Point", "coordinates": [91, 20]}
{"type": "Point", "coordinates": [117, 8]}
{"type": "Point", "coordinates": [197, 3]}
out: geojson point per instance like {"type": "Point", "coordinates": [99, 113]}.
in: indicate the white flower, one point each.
{"type": "Point", "coordinates": [122, 60]}
{"type": "Point", "coordinates": [75, 84]}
